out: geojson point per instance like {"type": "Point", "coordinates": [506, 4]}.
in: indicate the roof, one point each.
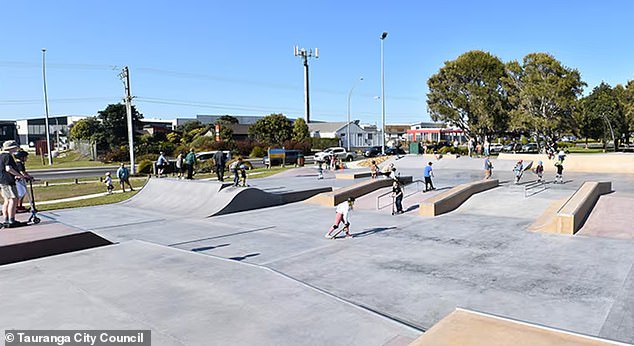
{"type": "Point", "coordinates": [326, 127]}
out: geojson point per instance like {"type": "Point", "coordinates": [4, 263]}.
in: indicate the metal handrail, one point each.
{"type": "Point", "coordinates": [378, 198]}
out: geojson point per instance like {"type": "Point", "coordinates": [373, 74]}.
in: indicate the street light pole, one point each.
{"type": "Point", "coordinates": [46, 130]}
{"type": "Point", "coordinates": [383, 36]}
{"type": "Point", "coordinates": [349, 96]}
{"type": "Point", "coordinates": [305, 55]}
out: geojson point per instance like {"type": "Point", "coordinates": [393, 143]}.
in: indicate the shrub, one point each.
{"type": "Point", "coordinates": [205, 143]}
{"type": "Point", "coordinates": [146, 166]}
{"type": "Point", "coordinates": [257, 151]}
{"type": "Point", "coordinates": [119, 154]}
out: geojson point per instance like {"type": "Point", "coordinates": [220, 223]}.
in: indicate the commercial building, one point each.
{"type": "Point", "coordinates": [434, 132]}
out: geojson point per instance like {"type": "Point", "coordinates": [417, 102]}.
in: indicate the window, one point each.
{"type": "Point", "coordinates": [369, 136]}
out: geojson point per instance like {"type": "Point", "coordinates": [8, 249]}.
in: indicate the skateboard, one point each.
{"type": "Point", "coordinates": [338, 231]}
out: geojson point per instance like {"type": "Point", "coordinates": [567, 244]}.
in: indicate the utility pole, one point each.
{"type": "Point", "coordinates": [47, 130]}
{"type": "Point", "coordinates": [382, 37]}
{"type": "Point", "coordinates": [125, 76]}
{"type": "Point", "coordinates": [305, 55]}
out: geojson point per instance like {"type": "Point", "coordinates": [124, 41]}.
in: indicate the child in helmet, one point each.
{"type": "Point", "coordinates": [108, 182]}
{"type": "Point", "coordinates": [343, 215]}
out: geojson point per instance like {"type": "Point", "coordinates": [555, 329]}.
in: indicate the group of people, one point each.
{"type": "Point", "coordinates": [184, 164]}
{"type": "Point", "coordinates": [123, 174]}
{"type": "Point", "coordinates": [518, 169]}
{"type": "Point", "coordinates": [13, 178]}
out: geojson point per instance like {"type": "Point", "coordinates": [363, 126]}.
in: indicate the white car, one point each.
{"type": "Point", "coordinates": [496, 147]}
{"type": "Point", "coordinates": [339, 152]}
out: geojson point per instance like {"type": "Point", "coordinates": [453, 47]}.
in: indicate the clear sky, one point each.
{"type": "Point", "coordinates": [236, 57]}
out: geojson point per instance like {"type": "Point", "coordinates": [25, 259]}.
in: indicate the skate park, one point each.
{"type": "Point", "coordinates": [261, 271]}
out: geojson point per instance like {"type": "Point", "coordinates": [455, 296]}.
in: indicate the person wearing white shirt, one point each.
{"type": "Point", "coordinates": [343, 215]}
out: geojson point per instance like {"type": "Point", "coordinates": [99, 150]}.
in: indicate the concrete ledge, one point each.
{"type": "Point", "coordinates": [333, 198]}
{"type": "Point", "coordinates": [453, 198]}
{"type": "Point", "coordinates": [468, 328]}
{"type": "Point", "coordinates": [590, 163]}
{"type": "Point", "coordinates": [353, 175]}
{"type": "Point", "coordinates": [569, 218]}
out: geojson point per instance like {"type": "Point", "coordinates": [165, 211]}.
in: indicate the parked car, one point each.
{"type": "Point", "coordinates": [372, 151]}
{"type": "Point", "coordinates": [530, 148]}
{"type": "Point", "coordinates": [437, 146]}
{"type": "Point", "coordinates": [290, 159]}
{"type": "Point", "coordinates": [496, 147]}
{"type": "Point", "coordinates": [208, 155]}
{"type": "Point", "coordinates": [339, 152]}
{"type": "Point", "coordinates": [512, 147]}
{"type": "Point", "coordinates": [393, 151]}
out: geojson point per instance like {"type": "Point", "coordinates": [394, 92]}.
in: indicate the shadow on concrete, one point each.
{"type": "Point", "coordinates": [372, 231]}
{"type": "Point", "coordinates": [206, 248]}
{"type": "Point", "coordinates": [242, 258]}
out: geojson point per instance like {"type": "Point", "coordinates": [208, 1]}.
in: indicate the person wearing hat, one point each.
{"type": "Point", "coordinates": [539, 170]}
{"type": "Point", "coordinates": [343, 215]}
{"type": "Point", "coordinates": [108, 182]}
{"type": "Point", "coordinates": [20, 159]}
{"type": "Point", "coordinates": [8, 174]}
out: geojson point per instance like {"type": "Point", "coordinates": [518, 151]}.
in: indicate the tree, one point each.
{"type": "Point", "coordinates": [604, 107]}
{"type": "Point", "coordinates": [543, 95]}
{"type": "Point", "coordinates": [626, 98]}
{"type": "Point", "coordinates": [273, 129]}
{"type": "Point", "coordinates": [87, 129]}
{"type": "Point", "coordinates": [226, 132]}
{"type": "Point", "coordinates": [467, 93]}
{"type": "Point", "coordinates": [588, 125]}
{"type": "Point", "coordinates": [115, 124]}
{"type": "Point", "coordinates": [300, 130]}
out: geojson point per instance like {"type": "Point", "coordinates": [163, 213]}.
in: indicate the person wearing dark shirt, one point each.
{"type": "Point", "coordinates": [8, 173]}
{"type": "Point", "coordinates": [397, 193]}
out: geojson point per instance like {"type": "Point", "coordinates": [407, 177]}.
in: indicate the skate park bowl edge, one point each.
{"type": "Point", "coordinates": [451, 199]}
{"type": "Point", "coordinates": [331, 199]}
{"type": "Point", "coordinates": [567, 217]}
{"type": "Point", "coordinates": [468, 328]}
{"type": "Point", "coordinates": [203, 199]}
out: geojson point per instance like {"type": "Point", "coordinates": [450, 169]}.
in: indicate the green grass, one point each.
{"type": "Point", "coordinates": [261, 173]}
{"type": "Point", "coordinates": [108, 199]}
{"type": "Point", "coordinates": [67, 159]}
{"type": "Point", "coordinates": [580, 150]}
{"type": "Point", "coordinates": [53, 192]}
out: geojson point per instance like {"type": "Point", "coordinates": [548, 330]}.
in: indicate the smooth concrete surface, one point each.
{"type": "Point", "coordinates": [568, 217]}
{"type": "Point", "coordinates": [611, 217]}
{"type": "Point", "coordinates": [335, 197]}
{"type": "Point", "coordinates": [412, 270]}
{"type": "Point", "coordinates": [467, 328]}
{"type": "Point", "coordinates": [450, 200]}
{"type": "Point", "coordinates": [620, 163]}
{"type": "Point", "coordinates": [184, 299]}
{"type": "Point", "coordinates": [355, 175]}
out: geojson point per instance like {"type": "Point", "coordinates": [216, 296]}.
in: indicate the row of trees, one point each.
{"type": "Point", "coordinates": [109, 131]}
{"type": "Point", "coordinates": [538, 97]}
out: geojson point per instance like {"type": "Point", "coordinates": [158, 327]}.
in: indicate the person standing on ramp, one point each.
{"type": "Point", "coordinates": [220, 160]}
{"type": "Point", "coordinates": [343, 215]}
{"type": "Point", "coordinates": [190, 161]}
{"type": "Point", "coordinates": [428, 174]}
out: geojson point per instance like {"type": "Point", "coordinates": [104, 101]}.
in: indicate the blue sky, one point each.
{"type": "Point", "coordinates": [236, 57]}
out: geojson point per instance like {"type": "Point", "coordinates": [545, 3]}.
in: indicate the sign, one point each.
{"type": "Point", "coordinates": [277, 154]}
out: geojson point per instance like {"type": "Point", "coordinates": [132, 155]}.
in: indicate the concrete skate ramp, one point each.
{"type": "Point", "coordinates": [570, 215]}
{"type": "Point", "coordinates": [200, 199]}
{"type": "Point", "coordinates": [595, 163]}
{"type": "Point", "coordinates": [618, 210]}
{"type": "Point", "coordinates": [451, 199]}
{"type": "Point", "coordinates": [468, 328]}
{"type": "Point", "coordinates": [333, 198]}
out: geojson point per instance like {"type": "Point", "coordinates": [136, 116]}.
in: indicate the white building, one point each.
{"type": "Point", "coordinates": [361, 135]}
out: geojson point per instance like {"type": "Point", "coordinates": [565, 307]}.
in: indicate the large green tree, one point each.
{"type": "Point", "coordinates": [603, 105]}
{"type": "Point", "coordinates": [300, 130]}
{"type": "Point", "coordinates": [626, 98]}
{"type": "Point", "coordinates": [543, 94]}
{"type": "Point", "coordinates": [89, 129]}
{"type": "Point", "coordinates": [273, 129]}
{"type": "Point", "coordinates": [115, 124]}
{"type": "Point", "coordinates": [467, 93]}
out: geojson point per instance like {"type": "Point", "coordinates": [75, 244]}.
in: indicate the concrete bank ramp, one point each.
{"type": "Point", "coordinates": [200, 199]}
{"type": "Point", "coordinates": [469, 328]}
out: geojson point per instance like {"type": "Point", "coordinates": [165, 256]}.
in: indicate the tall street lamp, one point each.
{"type": "Point", "coordinates": [383, 36]}
{"type": "Point", "coordinates": [48, 135]}
{"type": "Point", "coordinates": [349, 96]}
